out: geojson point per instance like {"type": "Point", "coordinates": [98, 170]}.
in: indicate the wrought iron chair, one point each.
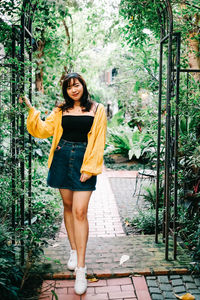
{"type": "Point", "coordinates": [144, 174]}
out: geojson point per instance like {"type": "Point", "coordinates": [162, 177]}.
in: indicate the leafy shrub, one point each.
{"type": "Point", "coordinates": [46, 214]}
{"type": "Point", "coordinates": [130, 142]}
{"type": "Point", "coordinates": [150, 195]}
{"type": "Point", "coordinates": [119, 140]}
{"type": "Point", "coordinates": [146, 220]}
{"type": "Point", "coordinates": [112, 164]}
{"type": "Point", "coordinates": [117, 119]}
{"type": "Point", "coordinates": [189, 231]}
{"type": "Point", "coordinates": [10, 273]}
{"type": "Point", "coordinates": [41, 149]}
{"type": "Point", "coordinates": [196, 249]}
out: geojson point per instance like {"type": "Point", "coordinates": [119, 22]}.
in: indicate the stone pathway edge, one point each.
{"type": "Point", "coordinates": [66, 275]}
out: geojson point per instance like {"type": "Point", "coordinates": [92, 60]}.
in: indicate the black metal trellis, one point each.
{"type": "Point", "coordinates": [16, 79]}
{"type": "Point", "coordinates": [171, 41]}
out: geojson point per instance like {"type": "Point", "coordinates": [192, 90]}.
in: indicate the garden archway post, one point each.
{"type": "Point", "coordinates": [26, 49]}
{"type": "Point", "coordinates": [16, 79]}
{"type": "Point", "coordinates": [171, 41]}
{"type": "Point", "coordinates": [166, 21]}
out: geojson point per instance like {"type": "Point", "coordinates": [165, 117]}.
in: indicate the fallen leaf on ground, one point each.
{"type": "Point", "coordinates": [93, 279]}
{"type": "Point", "coordinates": [187, 296]}
{"type": "Point", "coordinates": [127, 223]}
{"type": "Point", "coordinates": [124, 258]}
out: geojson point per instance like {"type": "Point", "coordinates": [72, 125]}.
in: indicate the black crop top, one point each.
{"type": "Point", "coordinates": [76, 128]}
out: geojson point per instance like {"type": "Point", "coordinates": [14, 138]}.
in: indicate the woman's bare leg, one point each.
{"type": "Point", "coordinates": [81, 228]}
{"type": "Point", "coordinates": [67, 197]}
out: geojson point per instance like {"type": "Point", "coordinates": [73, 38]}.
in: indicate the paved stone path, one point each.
{"type": "Point", "coordinates": [165, 287]}
{"type": "Point", "coordinates": [128, 205]}
{"type": "Point", "coordinates": [104, 254]}
{"type": "Point", "coordinates": [106, 245]}
{"type": "Point", "coordinates": [103, 215]}
{"type": "Point", "coordinates": [132, 288]}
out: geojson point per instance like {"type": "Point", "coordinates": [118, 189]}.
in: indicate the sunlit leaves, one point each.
{"type": "Point", "coordinates": [186, 296]}
{"type": "Point", "coordinates": [139, 16]}
{"type": "Point", "coordinates": [93, 279]}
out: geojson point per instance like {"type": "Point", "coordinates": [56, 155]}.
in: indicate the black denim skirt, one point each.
{"type": "Point", "coordinates": [64, 172]}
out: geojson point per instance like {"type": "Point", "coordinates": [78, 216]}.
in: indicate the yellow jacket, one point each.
{"type": "Point", "coordinates": [93, 158]}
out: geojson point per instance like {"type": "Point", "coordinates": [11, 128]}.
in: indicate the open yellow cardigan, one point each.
{"type": "Point", "coordinates": [93, 158]}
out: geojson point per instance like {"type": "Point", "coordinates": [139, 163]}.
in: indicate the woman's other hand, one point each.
{"type": "Point", "coordinates": [84, 177]}
{"type": "Point", "coordinates": [25, 100]}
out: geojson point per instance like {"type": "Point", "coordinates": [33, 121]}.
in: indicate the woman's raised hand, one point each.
{"type": "Point", "coordinates": [24, 99]}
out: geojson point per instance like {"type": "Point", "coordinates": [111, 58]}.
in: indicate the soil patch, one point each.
{"type": "Point", "coordinates": [119, 162]}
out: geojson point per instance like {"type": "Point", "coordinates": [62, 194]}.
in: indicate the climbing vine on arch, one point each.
{"type": "Point", "coordinates": [143, 15]}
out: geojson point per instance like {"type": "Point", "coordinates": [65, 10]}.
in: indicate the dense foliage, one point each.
{"type": "Point", "coordinates": [46, 212]}
{"type": "Point", "coordinates": [141, 24]}
{"type": "Point", "coordinates": [146, 220]}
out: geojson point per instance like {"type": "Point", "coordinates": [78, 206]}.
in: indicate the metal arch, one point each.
{"type": "Point", "coordinates": [26, 35]}
{"type": "Point", "coordinates": [165, 16]}
{"type": "Point", "coordinates": [28, 12]}
{"type": "Point", "coordinates": [172, 43]}
{"type": "Point", "coordinates": [22, 51]}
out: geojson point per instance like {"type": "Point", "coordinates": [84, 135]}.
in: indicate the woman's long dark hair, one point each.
{"type": "Point", "coordinates": [85, 100]}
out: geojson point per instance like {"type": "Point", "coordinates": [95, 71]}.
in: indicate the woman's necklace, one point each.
{"type": "Point", "coordinates": [77, 109]}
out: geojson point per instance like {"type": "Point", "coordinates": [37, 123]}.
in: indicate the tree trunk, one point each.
{"type": "Point", "coordinates": [193, 54]}
{"type": "Point", "coordinates": [193, 47]}
{"type": "Point", "coordinates": [39, 70]}
{"type": "Point", "coordinates": [66, 69]}
{"type": "Point", "coordinates": [67, 33]}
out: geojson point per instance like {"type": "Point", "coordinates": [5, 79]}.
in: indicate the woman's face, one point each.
{"type": "Point", "coordinates": [75, 89]}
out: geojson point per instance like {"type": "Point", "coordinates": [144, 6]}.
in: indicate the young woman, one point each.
{"type": "Point", "coordinates": [78, 127]}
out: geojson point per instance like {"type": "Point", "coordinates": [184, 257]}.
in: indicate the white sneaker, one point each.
{"type": "Point", "coordinates": [72, 262]}
{"type": "Point", "coordinates": [80, 286]}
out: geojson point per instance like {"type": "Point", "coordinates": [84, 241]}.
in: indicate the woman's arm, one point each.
{"type": "Point", "coordinates": [25, 100]}
{"type": "Point", "coordinates": [35, 126]}
{"type": "Point", "coordinates": [93, 159]}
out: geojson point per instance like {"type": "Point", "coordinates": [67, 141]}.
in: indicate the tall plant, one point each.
{"type": "Point", "coordinates": [130, 142]}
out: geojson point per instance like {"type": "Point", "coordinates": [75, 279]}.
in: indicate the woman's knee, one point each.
{"type": "Point", "coordinates": [67, 198]}
{"type": "Point", "coordinates": [80, 214]}
{"type": "Point", "coordinates": [67, 205]}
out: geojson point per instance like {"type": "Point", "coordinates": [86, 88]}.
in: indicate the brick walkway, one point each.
{"type": "Point", "coordinates": [103, 216]}
{"type": "Point", "coordinates": [106, 245]}
{"type": "Point", "coordinates": [118, 288]}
